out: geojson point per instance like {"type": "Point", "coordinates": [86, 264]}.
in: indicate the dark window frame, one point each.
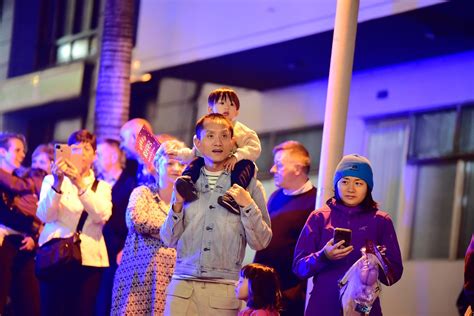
{"type": "Point", "coordinates": [457, 152]}
{"type": "Point", "coordinates": [441, 160]}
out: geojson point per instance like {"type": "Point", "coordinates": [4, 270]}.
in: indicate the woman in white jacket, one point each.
{"type": "Point", "coordinates": [64, 196]}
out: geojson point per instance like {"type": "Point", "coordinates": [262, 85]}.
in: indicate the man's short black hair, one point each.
{"type": "Point", "coordinates": [215, 117]}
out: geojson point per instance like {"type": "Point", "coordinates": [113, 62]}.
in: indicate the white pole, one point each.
{"type": "Point", "coordinates": [340, 73]}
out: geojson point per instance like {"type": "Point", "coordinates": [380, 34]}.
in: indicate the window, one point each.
{"type": "Point", "coordinates": [433, 211]}
{"type": "Point", "coordinates": [466, 228]}
{"type": "Point", "coordinates": [76, 30]}
{"type": "Point", "coordinates": [467, 130]}
{"type": "Point", "coordinates": [70, 30]}
{"type": "Point", "coordinates": [427, 157]}
{"type": "Point", "coordinates": [433, 134]}
{"type": "Point", "coordinates": [388, 159]}
{"type": "Point", "coordinates": [311, 138]}
{"type": "Point", "coordinates": [265, 161]}
{"type": "Point", "coordinates": [442, 134]}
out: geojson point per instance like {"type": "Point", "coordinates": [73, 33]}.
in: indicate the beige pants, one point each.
{"type": "Point", "coordinates": [185, 298]}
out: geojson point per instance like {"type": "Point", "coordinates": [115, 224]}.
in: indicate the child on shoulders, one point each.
{"type": "Point", "coordinates": [241, 163]}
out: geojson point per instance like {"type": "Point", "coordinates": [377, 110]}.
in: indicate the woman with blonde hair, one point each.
{"type": "Point", "coordinates": [43, 157]}
{"type": "Point", "coordinates": [147, 264]}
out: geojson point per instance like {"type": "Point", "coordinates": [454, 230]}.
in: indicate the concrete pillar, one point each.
{"type": "Point", "coordinates": [335, 117]}
{"type": "Point", "coordinates": [340, 73]}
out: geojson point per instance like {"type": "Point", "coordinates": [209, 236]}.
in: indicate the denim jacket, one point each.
{"type": "Point", "coordinates": [210, 241]}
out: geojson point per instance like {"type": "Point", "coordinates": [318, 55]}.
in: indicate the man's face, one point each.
{"type": "Point", "coordinates": [215, 143]}
{"type": "Point", "coordinates": [14, 155]}
{"type": "Point", "coordinates": [225, 107]}
{"type": "Point", "coordinates": [106, 157]}
{"type": "Point", "coordinates": [285, 169]}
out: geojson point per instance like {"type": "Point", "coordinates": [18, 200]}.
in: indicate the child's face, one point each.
{"type": "Point", "coordinates": [242, 289]}
{"type": "Point", "coordinates": [225, 107]}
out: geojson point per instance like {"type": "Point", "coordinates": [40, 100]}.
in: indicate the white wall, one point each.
{"type": "Point", "coordinates": [426, 288]}
{"type": "Point", "coordinates": [418, 85]}
{"type": "Point", "coordinates": [411, 86]}
{"type": "Point", "coordinates": [172, 32]}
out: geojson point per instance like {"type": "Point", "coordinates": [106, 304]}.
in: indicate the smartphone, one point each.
{"type": "Point", "coordinates": [72, 154]}
{"type": "Point", "coordinates": [343, 234]}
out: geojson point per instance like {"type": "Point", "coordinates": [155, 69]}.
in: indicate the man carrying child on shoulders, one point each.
{"type": "Point", "coordinates": [210, 240]}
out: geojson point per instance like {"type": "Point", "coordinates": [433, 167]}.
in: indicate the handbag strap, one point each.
{"type": "Point", "coordinates": [84, 214]}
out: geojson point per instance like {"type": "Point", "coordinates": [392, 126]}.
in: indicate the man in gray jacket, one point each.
{"type": "Point", "coordinates": [210, 240]}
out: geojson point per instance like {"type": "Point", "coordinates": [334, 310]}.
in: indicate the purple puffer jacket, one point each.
{"type": "Point", "coordinates": [310, 260]}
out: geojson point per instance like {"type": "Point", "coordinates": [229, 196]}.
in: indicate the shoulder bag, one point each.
{"type": "Point", "coordinates": [61, 254]}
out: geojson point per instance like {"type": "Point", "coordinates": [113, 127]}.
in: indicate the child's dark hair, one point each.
{"type": "Point", "coordinates": [264, 287]}
{"type": "Point", "coordinates": [224, 93]}
{"type": "Point", "coordinates": [214, 117]}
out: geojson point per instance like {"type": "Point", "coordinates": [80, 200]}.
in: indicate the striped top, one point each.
{"type": "Point", "coordinates": [212, 177]}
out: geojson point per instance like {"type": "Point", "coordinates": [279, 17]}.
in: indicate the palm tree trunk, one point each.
{"type": "Point", "coordinates": [113, 83]}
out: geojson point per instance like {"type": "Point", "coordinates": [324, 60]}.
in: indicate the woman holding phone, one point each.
{"type": "Point", "coordinates": [70, 190]}
{"type": "Point", "coordinates": [147, 264]}
{"type": "Point", "coordinates": [352, 208]}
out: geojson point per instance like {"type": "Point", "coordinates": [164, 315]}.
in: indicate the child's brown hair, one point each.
{"type": "Point", "coordinates": [264, 286]}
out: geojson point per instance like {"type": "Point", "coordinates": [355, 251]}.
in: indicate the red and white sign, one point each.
{"type": "Point", "coordinates": [146, 146]}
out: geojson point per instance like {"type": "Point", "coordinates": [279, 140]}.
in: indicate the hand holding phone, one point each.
{"type": "Point", "coordinates": [71, 155]}
{"type": "Point", "coordinates": [343, 234]}
{"type": "Point", "coordinates": [61, 151]}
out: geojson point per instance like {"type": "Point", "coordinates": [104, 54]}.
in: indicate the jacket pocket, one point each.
{"type": "Point", "coordinates": [240, 250]}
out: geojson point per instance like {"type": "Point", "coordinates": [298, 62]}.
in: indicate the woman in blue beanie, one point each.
{"type": "Point", "coordinates": [352, 207]}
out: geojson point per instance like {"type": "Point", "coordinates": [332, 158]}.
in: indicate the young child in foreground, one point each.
{"type": "Point", "coordinates": [241, 164]}
{"type": "Point", "coordinates": [258, 286]}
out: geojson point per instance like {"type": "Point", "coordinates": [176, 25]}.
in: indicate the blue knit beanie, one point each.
{"type": "Point", "coordinates": [354, 166]}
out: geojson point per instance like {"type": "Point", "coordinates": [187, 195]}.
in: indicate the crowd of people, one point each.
{"type": "Point", "coordinates": [169, 238]}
